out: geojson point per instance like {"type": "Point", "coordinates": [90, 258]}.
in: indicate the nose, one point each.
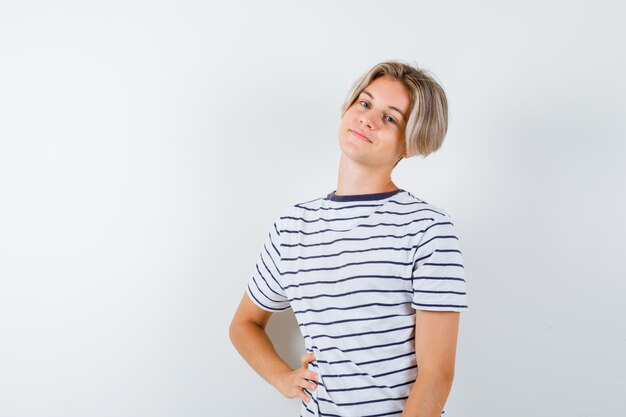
{"type": "Point", "coordinates": [366, 119]}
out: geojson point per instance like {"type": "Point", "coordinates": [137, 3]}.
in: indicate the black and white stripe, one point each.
{"type": "Point", "coordinates": [354, 269]}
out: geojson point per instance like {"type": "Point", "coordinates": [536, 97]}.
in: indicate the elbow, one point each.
{"type": "Point", "coordinates": [237, 331]}
{"type": "Point", "coordinates": [233, 332]}
{"type": "Point", "coordinates": [441, 375]}
{"type": "Point", "coordinates": [447, 377]}
{"type": "Point", "coordinates": [446, 372]}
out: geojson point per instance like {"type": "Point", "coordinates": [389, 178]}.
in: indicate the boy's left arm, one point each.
{"type": "Point", "coordinates": [435, 351]}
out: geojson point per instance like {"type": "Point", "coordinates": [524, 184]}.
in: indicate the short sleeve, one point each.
{"type": "Point", "coordinates": [265, 285]}
{"type": "Point", "coordinates": [438, 272]}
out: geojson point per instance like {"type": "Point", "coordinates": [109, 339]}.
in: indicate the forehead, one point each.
{"type": "Point", "coordinates": [389, 92]}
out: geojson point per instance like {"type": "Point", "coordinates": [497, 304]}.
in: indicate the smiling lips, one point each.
{"type": "Point", "coordinates": [360, 135]}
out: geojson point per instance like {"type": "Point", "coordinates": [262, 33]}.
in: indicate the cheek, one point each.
{"type": "Point", "coordinates": [401, 142]}
{"type": "Point", "coordinates": [342, 124]}
{"type": "Point", "coordinates": [396, 140]}
{"type": "Point", "coordinates": [342, 131]}
{"type": "Point", "coordinates": [345, 121]}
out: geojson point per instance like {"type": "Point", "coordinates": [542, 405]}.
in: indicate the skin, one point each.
{"type": "Point", "coordinates": [247, 333]}
{"type": "Point", "coordinates": [364, 167]}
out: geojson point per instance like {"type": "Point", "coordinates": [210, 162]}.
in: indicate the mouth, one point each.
{"type": "Point", "coordinates": [359, 135]}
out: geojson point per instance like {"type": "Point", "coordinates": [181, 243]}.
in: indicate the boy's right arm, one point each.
{"type": "Point", "coordinates": [247, 333]}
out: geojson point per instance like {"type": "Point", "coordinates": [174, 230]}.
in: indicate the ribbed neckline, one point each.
{"type": "Point", "coordinates": [362, 197]}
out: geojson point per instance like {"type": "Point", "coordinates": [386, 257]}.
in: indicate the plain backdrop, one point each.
{"type": "Point", "coordinates": [147, 146]}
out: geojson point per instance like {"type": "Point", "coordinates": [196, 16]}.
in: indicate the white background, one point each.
{"type": "Point", "coordinates": [146, 147]}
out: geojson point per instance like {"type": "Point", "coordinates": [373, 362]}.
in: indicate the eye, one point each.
{"type": "Point", "coordinates": [364, 105]}
{"type": "Point", "coordinates": [391, 119]}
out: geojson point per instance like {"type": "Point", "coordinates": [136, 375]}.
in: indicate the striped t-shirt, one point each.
{"type": "Point", "coordinates": [354, 268]}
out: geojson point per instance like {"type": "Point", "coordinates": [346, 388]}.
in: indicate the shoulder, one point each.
{"type": "Point", "coordinates": [303, 207]}
{"type": "Point", "coordinates": [429, 222]}
{"type": "Point", "coordinates": [300, 211]}
{"type": "Point", "coordinates": [422, 208]}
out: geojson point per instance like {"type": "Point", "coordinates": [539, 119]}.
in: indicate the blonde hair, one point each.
{"type": "Point", "coordinates": [427, 123]}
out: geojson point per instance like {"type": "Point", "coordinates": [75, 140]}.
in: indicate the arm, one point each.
{"type": "Point", "coordinates": [247, 333]}
{"type": "Point", "coordinates": [435, 350]}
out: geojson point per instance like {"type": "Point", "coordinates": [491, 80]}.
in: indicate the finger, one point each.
{"type": "Point", "coordinates": [304, 397]}
{"type": "Point", "coordinates": [309, 379]}
{"type": "Point", "coordinates": [311, 375]}
{"type": "Point", "coordinates": [306, 358]}
{"type": "Point", "coordinates": [306, 384]}
{"type": "Point", "coordinates": [309, 357]}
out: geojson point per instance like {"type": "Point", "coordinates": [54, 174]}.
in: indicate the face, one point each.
{"type": "Point", "coordinates": [371, 131]}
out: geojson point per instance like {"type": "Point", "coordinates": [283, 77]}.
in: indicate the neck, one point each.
{"type": "Point", "coordinates": [355, 178]}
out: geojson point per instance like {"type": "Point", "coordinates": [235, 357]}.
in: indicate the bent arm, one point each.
{"type": "Point", "coordinates": [247, 334]}
{"type": "Point", "coordinates": [435, 351]}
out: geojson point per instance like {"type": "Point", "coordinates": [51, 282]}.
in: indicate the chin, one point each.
{"type": "Point", "coordinates": [346, 147]}
{"type": "Point", "coordinates": [352, 154]}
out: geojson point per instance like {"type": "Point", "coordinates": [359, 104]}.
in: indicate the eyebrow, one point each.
{"type": "Point", "coordinates": [391, 107]}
